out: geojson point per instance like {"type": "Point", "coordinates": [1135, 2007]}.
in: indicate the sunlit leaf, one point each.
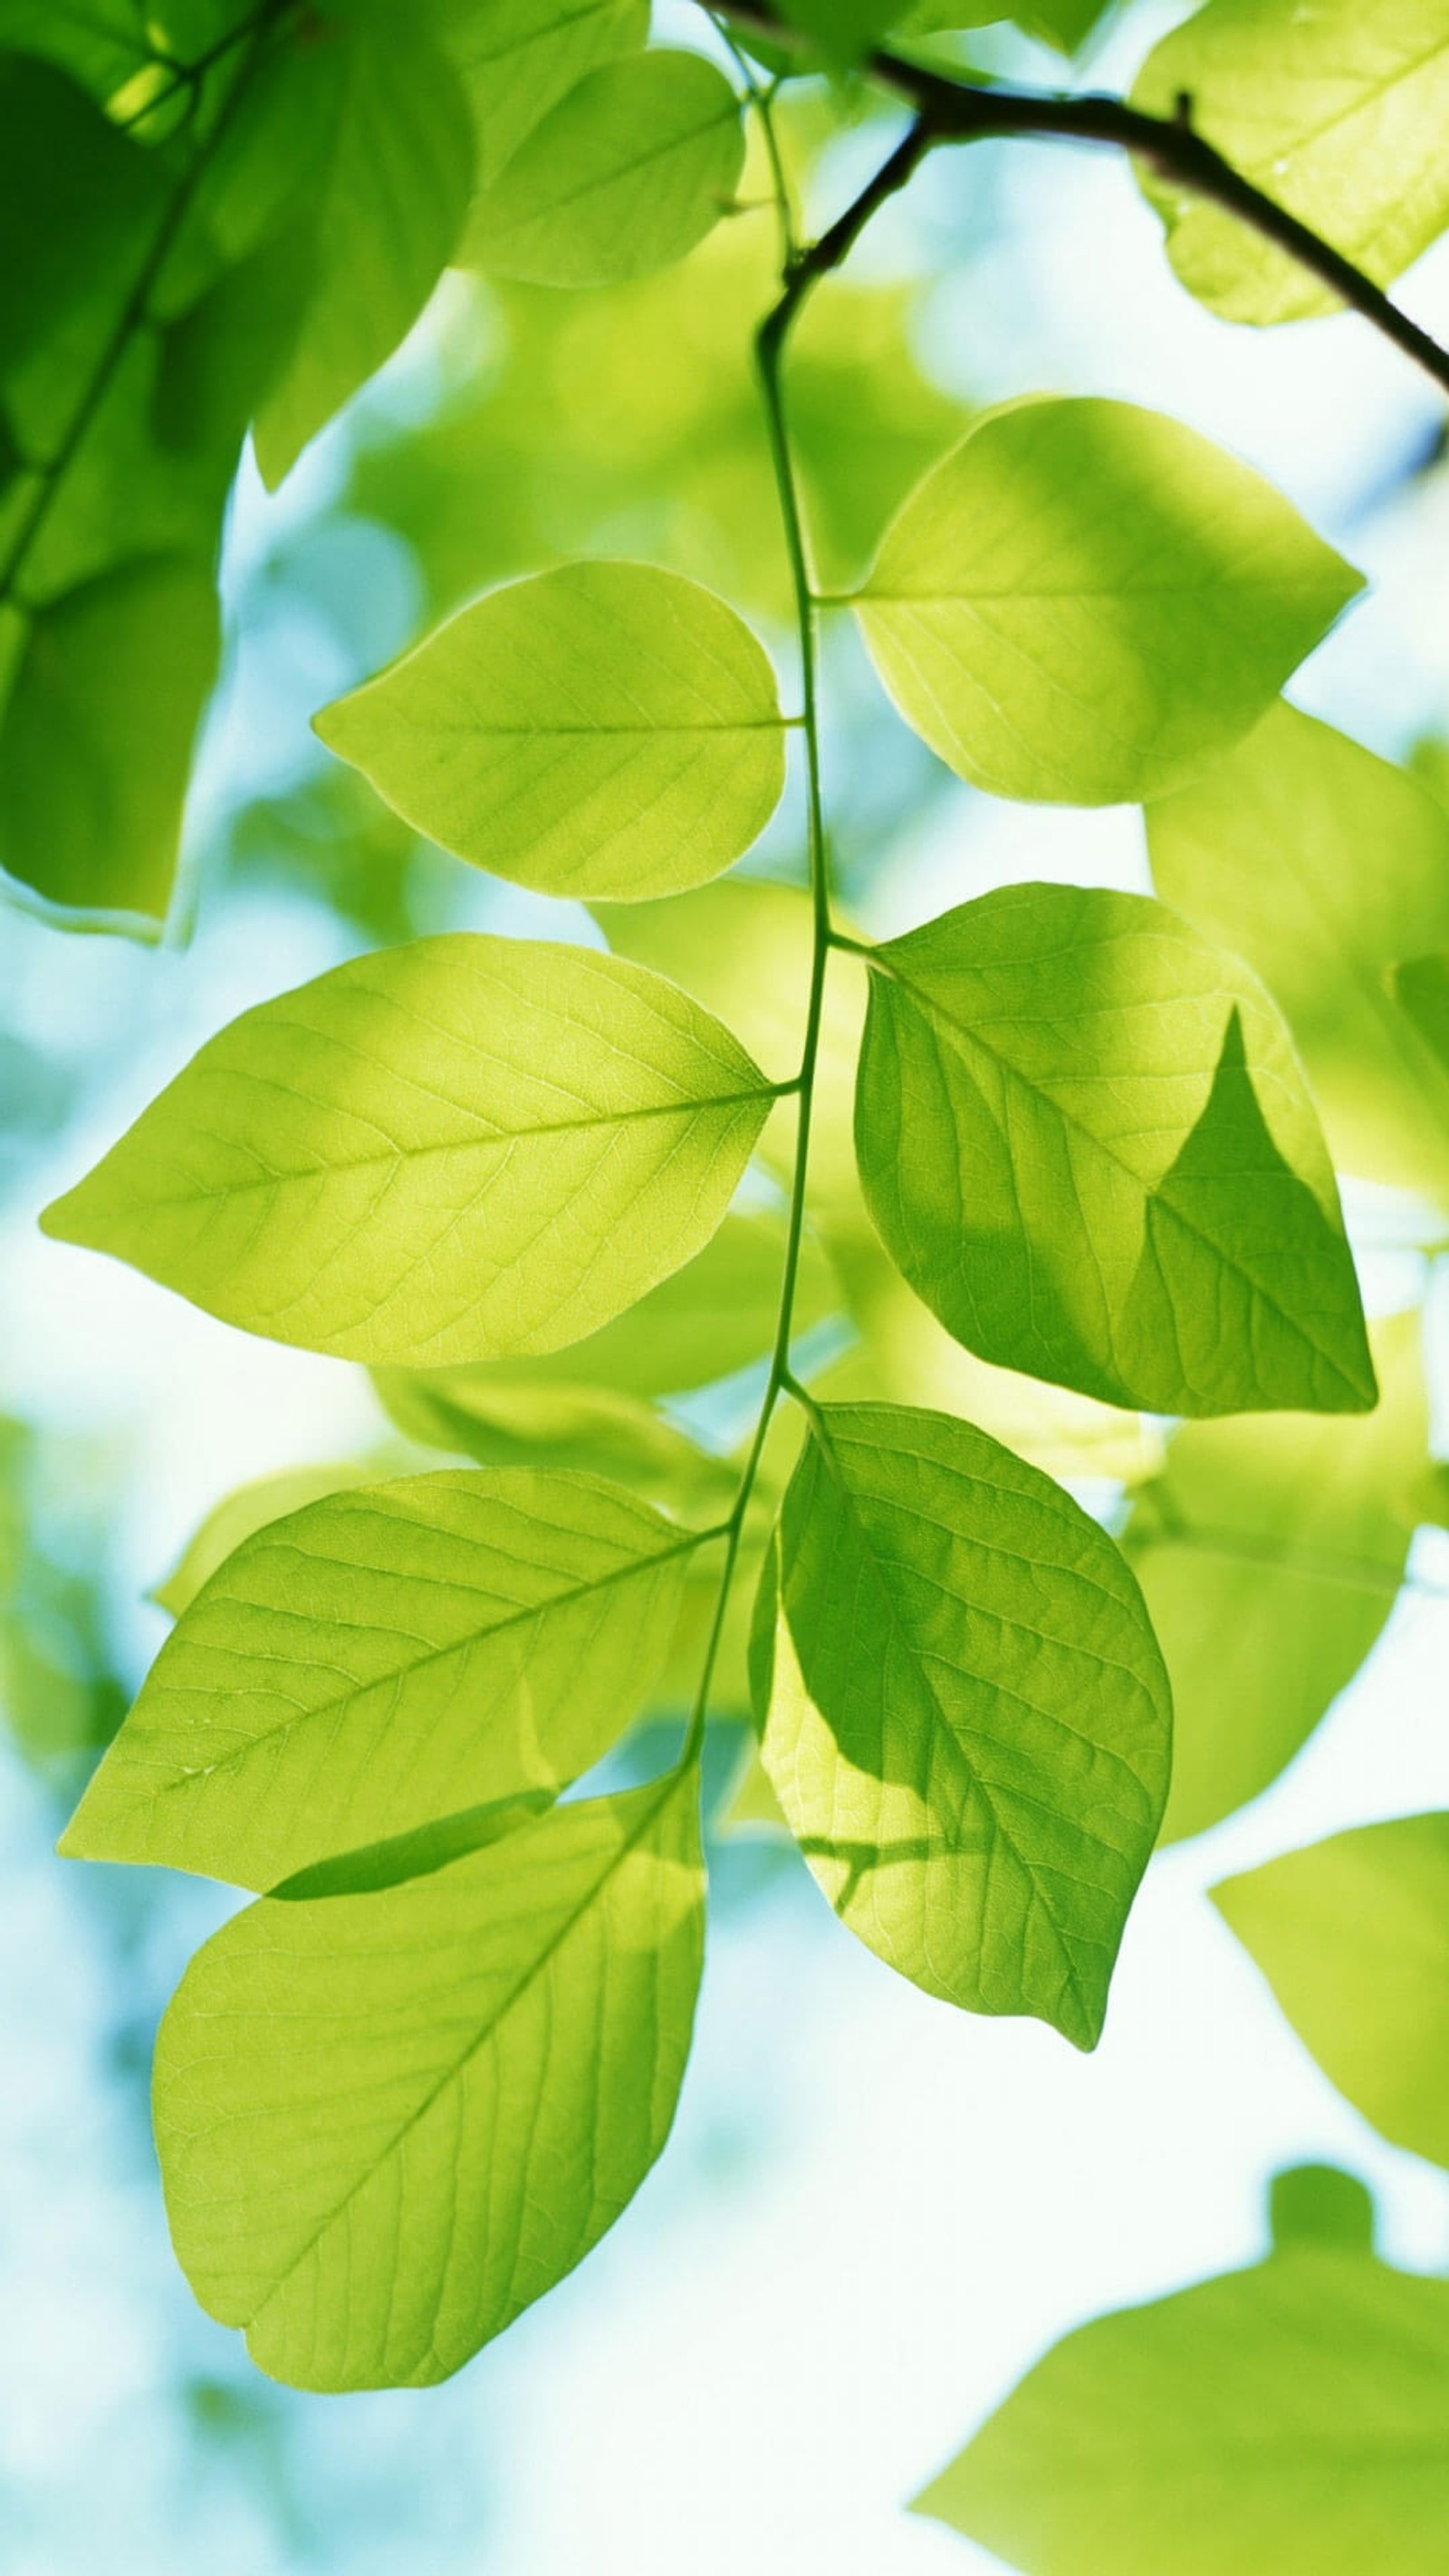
{"type": "Point", "coordinates": [451, 1151]}
{"type": "Point", "coordinates": [1267, 854]}
{"type": "Point", "coordinates": [392, 204]}
{"type": "Point", "coordinates": [389, 2122]}
{"type": "Point", "coordinates": [1335, 111]}
{"type": "Point", "coordinates": [1085, 1140]}
{"type": "Point", "coordinates": [966, 1719]}
{"type": "Point", "coordinates": [520, 57]}
{"type": "Point", "coordinates": [527, 1421]}
{"type": "Point", "coordinates": [382, 1657]}
{"type": "Point", "coordinates": [625, 175]}
{"type": "Point", "coordinates": [1270, 1554]}
{"type": "Point", "coordinates": [1086, 603]}
{"type": "Point", "coordinates": [250, 1507]}
{"type": "Point", "coordinates": [1353, 1937]}
{"type": "Point", "coordinates": [604, 729]}
{"type": "Point", "coordinates": [1290, 2417]}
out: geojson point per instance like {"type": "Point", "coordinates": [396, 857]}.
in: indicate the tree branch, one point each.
{"type": "Point", "coordinates": [958, 111]}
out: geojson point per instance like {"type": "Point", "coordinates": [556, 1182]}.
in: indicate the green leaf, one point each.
{"type": "Point", "coordinates": [1085, 1140]}
{"type": "Point", "coordinates": [1086, 603]}
{"type": "Point", "coordinates": [625, 175]}
{"type": "Point", "coordinates": [844, 29]}
{"type": "Point", "coordinates": [520, 57]}
{"type": "Point", "coordinates": [1289, 2418]}
{"type": "Point", "coordinates": [966, 1718]}
{"type": "Point", "coordinates": [101, 43]}
{"type": "Point", "coordinates": [79, 206]}
{"type": "Point", "coordinates": [451, 1151]}
{"type": "Point", "coordinates": [1267, 854]}
{"type": "Point", "coordinates": [392, 204]}
{"type": "Point", "coordinates": [1270, 1554]}
{"type": "Point", "coordinates": [383, 1657]}
{"type": "Point", "coordinates": [531, 1422]}
{"type": "Point", "coordinates": [1421, 988]}
{"type": "Point", "coordinates": [399, 1857]}
{"type": "Point", "coordinates": [603, 729]}
{"type": "Point", "coordinates": [1334, 111]}
{"type": "Point", "coordinates": [127, 658]}
{"type": "Point", "coordinates": [744, 950]}
{"type": "Point", "coordinates": [387, 2123]}
{"type": "Point", "coordinates": [249, 1508]}
{"type": "Point", "coordinates": [1353, 1937]}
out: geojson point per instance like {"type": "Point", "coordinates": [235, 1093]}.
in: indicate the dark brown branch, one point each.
{"type": "Point", "coordinates": [958, 111]}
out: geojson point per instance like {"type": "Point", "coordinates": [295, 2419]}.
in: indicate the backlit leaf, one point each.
{"type": "Point", "coordinates": [1336, 112]}
{"type": "Point", "coordinates": [1085, 1140]}
{"type": "Point", "coordinates": [625, 175]}
{"type": "Point", "coordinates": [1267, 854]}
{"type": "Point", "coordinates": [966, 1719]}
{"type": "Point", "coordinates": [1270, 1554]}
{"type": "Point", "coordinates": [520, 57]}
{"type": "Point", "coordinates": [387, 2123]}
{"type": "Point", "coordinates": [382, 1657]}
{"type": "Point", "coordinates": [250, 1507]}
{"type": "Point", "coordinates": [1353, 1937]}
{"type": "Point", "coordinates": [530, 1421]}
{"type": "Point", "coordinates": [1086, 603]}
{"type": "Point", "coordinates": [603, 729]}
{"type": "Point", "coordinates": [453, 1150]}
{"type": "Point", "coordinates": [1288, 2418]}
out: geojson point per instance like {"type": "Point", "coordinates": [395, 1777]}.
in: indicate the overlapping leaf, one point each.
{"type": "Point", "coordinates": [603, 729]}
{"type": "Point", "coordinates": [384, 1656]}
{"type": "Point", "coordinates": [450, 1151]}
{"type": "Point", "coordinates": [388, 2122]}
{"type": "Point", "coordinates": [520, 57]}
{"type": "Point", "coordinates": [1086, 603]}
{"type": "Point", "coordinates": [966, 1719]}
{"type": "Point", "coordinates": [1085, 1140]}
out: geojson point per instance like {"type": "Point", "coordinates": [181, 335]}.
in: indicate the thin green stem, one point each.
{"type": "Point", "coordinates": [803, 270]}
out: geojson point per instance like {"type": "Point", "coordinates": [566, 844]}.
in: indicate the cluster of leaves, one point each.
{"type": "Point", "coordinates": [1055, 1160]}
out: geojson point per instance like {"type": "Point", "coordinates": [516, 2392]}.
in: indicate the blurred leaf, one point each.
{"type": "Point", "coordinates": [125, 658]}
{"type": "Point", "coordinates": [392, 203]}
{"type": "Point", "coordinates": [78, 207]}
{"type": "Point", "coordinates": [455, 1150]}
{"type": "Point", "coordinates": [625, 175]}
{"type": "Point", "coordinates": [1270, 1554]}
{"type": "Point", "coordinates": [1085, 603]}
{"type": "Point", "coordinates": [603, 729]}
{"type": "Point", "coordinates": [1086, 1142]}
{"type": "Point", "coordinates": [1353, 1937]}
{"type": "Point", "coordinates": [1290, 2417]}
{"type": "Point", "coordinates": [743, 949]}
{"type": "Point", "coordinates": [1335, 112]}
{"type": "Point", "coordinates": [965, 1714]}
{"type": "Point", "coordinates": [384, 1657]}
{"type": "Point", "coordinates": [472, 2075]}
{"type": "Point", "coordinates": [1267, 854]}
{"type": "Point", "coordinates": [527, 1421]}
{"type": "Point", "coordinates": [752, 1806]}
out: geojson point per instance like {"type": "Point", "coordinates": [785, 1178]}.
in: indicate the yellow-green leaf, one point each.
{"type": "Point", "coordinates": [603, 729]}
{"type": "Point", "coordinates": [451, 1151]}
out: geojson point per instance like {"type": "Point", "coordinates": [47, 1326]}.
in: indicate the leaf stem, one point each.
{"type": "Point", "coordinates": [803, 271]}
{"type": "Point", "coordinates": [959, 111]}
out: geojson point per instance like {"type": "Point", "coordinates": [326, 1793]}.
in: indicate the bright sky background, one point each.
{"type": "Point", "coordinates": [875, 2211]}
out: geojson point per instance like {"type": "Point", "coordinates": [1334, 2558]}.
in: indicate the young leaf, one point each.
{"type": "Point", "coordinates": [1270, 1553]}
{"type": "Point", "coordinates": [625, 175]}
{"type": "Point", "coordinates": [449, 1151]}
{"type": "Point", "coordinates": [1353, 1937]}
{"type": "Point", "coordinates": [1267, 854]}
{"type": "Point", "coordinates": [966, 1718]}
{"type": "Point", "coordinates": [603, 729]}
{"type": "Point", "coordinates": [1084, 1138]}
{"type": "Point", "coordinates": [520, 57]}
{"type": "Point", "coordinates": [1335, 111]}
{"type": "Point", "coordinates": [383, 1657]}
{"type": "Point", "coordinates": [1086, 603]}
{"type": "Point", "coordinates": [389, 2122]}
{"type": "Point", "coordinates": [1291, 2417]}
{"type": "Point", "coordinates": [392, 204]}
{"type": "Point", "coordinates": [129, 656]}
